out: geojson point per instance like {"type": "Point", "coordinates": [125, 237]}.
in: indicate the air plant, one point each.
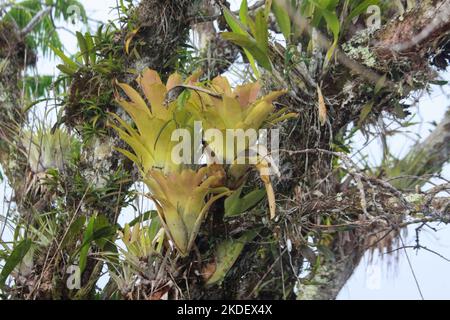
{"type": "Point", "coordinates": [182, 195]}
{"type": "Point", "coordinates": [151, 140]}
{"type": "Point", "coordinates": [238, 109]}
{"type": "Point", "coordinates": [143, 241]}
{"type": "Point", "coordinates": [49, 150]}
{"type": "Point", "coordinates": [179, 193]}
{"type": "Point", "coordinates": [181, 200]}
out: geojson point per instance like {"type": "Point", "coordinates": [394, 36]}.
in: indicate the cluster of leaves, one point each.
{"type": "Point", "coordinates": [33, 241]}
{"type": "Point", "coordinates": [50, 150]}
{"type": "Point", "coordinates": [97, 53]}
{"type": "Point", "coordinates": [49, 155]}
{"type": "Point", "coordinates": [184, 192]}
{"type": "Point", "coordinates": [43, 36]}
{"type": "Point", "coordinates": [143, 241]}
{"type": "Point", "coordinates": [253, 34]}
{"type": "Point", "coordinates": [90, 72]}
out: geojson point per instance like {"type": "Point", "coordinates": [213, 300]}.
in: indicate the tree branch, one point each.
{"type": "Point", "coordinates": [425, 158]}
{"type": "Point", "coordinates": [325, 44]}
{"type": "Point", "coordinates": [35, 21]}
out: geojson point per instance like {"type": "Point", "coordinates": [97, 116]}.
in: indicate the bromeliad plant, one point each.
{"type": "Point", "coordinates": [238, 109]}
{"type": "Point", "coordinates": [178, 192]}
{"type": "Point", "coordinates": [184, 193]}
{"type": "Point", "coordinates": [49, 150]}
{"type": "Point", "coordinates": [151, 140]}
{"type": "Point", "coordinates": [143, 241]}
{"type": "Point", "coordinates": [180, 200]}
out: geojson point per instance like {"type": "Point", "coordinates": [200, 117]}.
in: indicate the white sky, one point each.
{"type": "Point", "coordinates": [381, 278]}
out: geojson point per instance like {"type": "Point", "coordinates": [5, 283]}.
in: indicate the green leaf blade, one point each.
{"type": "Point", "coordinates": [17, 255]}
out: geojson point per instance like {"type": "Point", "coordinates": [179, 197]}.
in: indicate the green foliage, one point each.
{"type": "Point", "coordinates": [39, 89]}
{"type": "Point", "coordinates": [410, 171]}
{"type": "Point", "coordinates": [50, 150]}
{"type": "Point", "coordinates": [186, 61]}
{"type": "Point", "coordinates": [323, 10]}
{"type": "Point", "coordinates": [73, 232]}
{"type": "Point", "coordinates": [283, 20]}
{"type": "Point", "coordinates": [227, 253]}
{"type": "Point", "coordinates": [251, 35]}
{"type": "Point", "coordinates": [98, 196]}
{"type": "Point", "coordinates": [87, 239]}
{"type": "Point", "coordinates": [91, 72]}
{"type": "Point", "coordinates": [368, 107]}
{"type": "Point", "coordinates": [236, 205]}
{"type": "Point", "coordinates": [141, 240]}
{"type": "Point", "coordinates": [97, 53]}
{"type": "Point", "coordinates": [37, 86]}
{"type": "Point", "coordinates": [69, 67]}
{"type": "Point", "coordinates": [43, 35]}
{"type": "Point", "coordinates": [15, 258]}
{"type": "Point", "coordinates": [148, 215]}
{"type": "Point", "coordinates": [99, 232]}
